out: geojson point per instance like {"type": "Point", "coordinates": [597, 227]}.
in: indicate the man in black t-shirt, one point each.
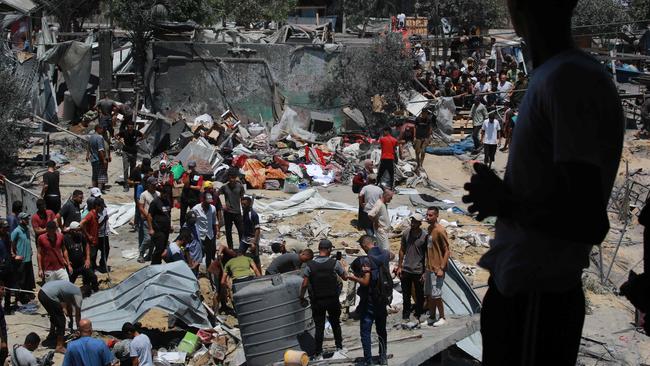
{"type": "Point", "coordinates": [51, 193]}
{"type": "Point", "coordinates": [129, 138]}
{"type": "Point", "coordinates": [71, 211]}
{"type": "Point", "coordinates": [159, 220]}
{"type": "Point", "coordinates": [79, 255]}
{"type": "Point", "coordinates": [423, 130]}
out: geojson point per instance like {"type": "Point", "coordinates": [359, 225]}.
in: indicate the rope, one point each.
{"type": "Point", "coordinates": [19, 290]}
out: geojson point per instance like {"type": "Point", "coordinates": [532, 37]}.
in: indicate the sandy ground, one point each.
{"type": "Point", "coordinates": [609, 321]}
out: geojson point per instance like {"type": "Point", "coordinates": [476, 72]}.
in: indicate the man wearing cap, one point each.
{"type": "Point", "coordinates": [232, 192]}
{"type": "Point", "coordinates": [129, 138]}
{"type": "Point", "coordinates": [321, 277]}
{"type": "Point", "coordinates": [366, 273]}
{"type": "Point", "coordinates": [410, 267]}
{"type": "Point", "coordinates": [381, 219]}
{"type": "Point", "coordinates": [71, 211]}
{"type": "Point", "coordinates": [53, 262]}
{"type": "Point", "coordinates": [192, 183]}
{"type": "Point", "coordinates": [369, 195]}
{"type": "Point", "coordinates": [478, 114]}
{"type": "Point", "coordinates": [249, 241]}
{"type": "Point", "coordinates": [41, 218]}
{"type": "Point", "coordinates": [207, 226]}
{"type": "Point", "coordinates": [23, 249]}
{"type": "Point", "coordinates": [54, 296]}
{"type": "Point", "coordinates": [144, 203]}
{"type": "Point", "coordinates": [79, 255]}
{"type": "Point", "coordinates": [160, 225]}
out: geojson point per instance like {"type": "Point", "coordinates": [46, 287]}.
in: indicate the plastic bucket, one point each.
{"type": "Point", "coordinates": [295, 358]}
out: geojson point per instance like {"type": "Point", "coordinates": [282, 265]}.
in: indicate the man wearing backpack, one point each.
{"type": "Point", "coordinates": [375, 292]}
{"type": "Point", "coordinates": [320, 275]}
{"type": "Point", "coordinates": [437, 258]}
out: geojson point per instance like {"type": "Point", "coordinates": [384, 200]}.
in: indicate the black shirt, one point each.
{"type": "Point", "coordinates": [70, 212]}
{"type": "Point", "coordinates": [160, 211]}
{"type": "Point", "coordinates": [76, 247]}
{"type": "Point", "coordinates": [52, 181]}
{"type": "Point", "coordinates": [130, 140]}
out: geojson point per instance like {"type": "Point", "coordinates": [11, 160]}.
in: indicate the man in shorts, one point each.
{"type": "Point", "coordinates": [436, 265]}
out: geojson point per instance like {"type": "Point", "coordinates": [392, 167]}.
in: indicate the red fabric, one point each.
{"type": "Point", "coordinates": [51, 253]}
{"type": "Point", "coordinates": [283, 164]}
{"type": "Point", "coordinates": [388, 144]}
{"type": "Point", "coordinates": [93, 226]}
{"type": "Point", "coordinates": [315, 155]}
{"type": "Point", "coordinates": [239, 161]}
{"type": "Point", "coordinates": [38, 222]}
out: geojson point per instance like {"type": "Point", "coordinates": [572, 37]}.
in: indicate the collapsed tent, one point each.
{"type": "Point", "coordinates": [307, 200]}
{"type": "Point", "coordinates": [171, 287]}
{"type": "Point", "coordinates": [74, 60]}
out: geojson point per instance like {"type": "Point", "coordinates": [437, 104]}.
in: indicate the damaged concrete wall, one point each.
{"type": "Point", "coordinates": [198, 78]}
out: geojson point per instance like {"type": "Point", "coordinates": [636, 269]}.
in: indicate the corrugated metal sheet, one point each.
{"type": "Point", "coordinates": [170, 287]}
{"type": "Point", "coordinates": [24, 6]}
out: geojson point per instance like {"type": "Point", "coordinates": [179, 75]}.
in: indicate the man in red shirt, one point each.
{"type": "Point", "coordinates": [53, 262]}
{"type": "Point", "coordinates": [388, 155]}
{"type": "Point", "coordinates": [90, 229]}
{"type": "Point", "coordinates": [41, 218]}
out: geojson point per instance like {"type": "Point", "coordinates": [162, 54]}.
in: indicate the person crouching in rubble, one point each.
{"type": "Point", "coordinates": [56, 296]}
{"type": "Point", "coordinates": [177, 250]}
{"type": "Point", "coordinates": [194, 247]}
{"type": "Point", "coordinates": [321, 276]}
{"type": "Point", "coordinates": [249, 243]}
{"type": "Point", "coordinates": [239, 269]}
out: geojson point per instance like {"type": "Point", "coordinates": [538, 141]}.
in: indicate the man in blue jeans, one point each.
{"type": "Point", "coordinates": [366, 273]}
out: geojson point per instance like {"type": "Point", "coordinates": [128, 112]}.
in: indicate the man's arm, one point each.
{"type": "Point", "coordinates": [303, 287]}
{"type": "Point", "coordinates": [59, 223]}
{"type": "Point", "coordinates": [87, 259]}
{"type": "Point", "coordinates": [364, 280]}
{"type": "Point", "coordinates": [39, 260]}
{"type": "Point", "coordinates": [224, 277]}
{"type": "Point", "coordinates": [66, 258]}
{"type": "Point", "coordinates": [491, 197]}
{"type": "Point", "coordinates": [84, 229]}
{"type": "Point", "coordinates": [44, 189]}
{"type": "Point", "coordinates": [255, 269]}
{"type": "Point", "coordinates": [398, 270]}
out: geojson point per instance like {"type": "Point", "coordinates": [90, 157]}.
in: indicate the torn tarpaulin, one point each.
{"type": "Point", "coordinates": [74, 59]}
{"type": "Point", "coordinates": [304, 201]}
{"type": "Point", "coordinates": [171, 287]}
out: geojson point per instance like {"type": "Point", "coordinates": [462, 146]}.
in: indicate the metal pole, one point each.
{"type": "Point", "coordinates": [59, 128]}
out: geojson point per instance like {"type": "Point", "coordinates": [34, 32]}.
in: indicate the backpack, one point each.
{"type": "Point", "coordinates": [381, 291]}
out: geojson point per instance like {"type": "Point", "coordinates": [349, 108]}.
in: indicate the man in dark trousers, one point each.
{"type": "Point", "coordinates": [160, 223]}
{"type": "Point", "coordinates": [565, 150]}
{"type": "Point", "coordinates": [320, 276]}
{"type": "Point", "coordinates": [388, 156]}
{"type": "Point", "coordinates": [410, 268]}
{"type": "Point", "coordinates": [371, 309]}
{"type": "Point", "coordinates": [129, 137]}
{"type": "Point", "coordinates": [490, 137]}
{"type": "Point", "coordinates": [54, 296]}
{"type": "Point", "coordinates": [192, 183]}
{"type": "Point", "coordinates": [232, 193]}
{"type": "Point", "coordinates": [79, 255]}
{"type": "Point", "coordinates": [51, 192]}
{"type": "Point", "coordinates": [249, 241]}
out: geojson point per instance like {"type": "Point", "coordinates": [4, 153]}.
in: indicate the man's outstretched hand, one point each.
{"type": "Point", "coordinates": [486, 192]}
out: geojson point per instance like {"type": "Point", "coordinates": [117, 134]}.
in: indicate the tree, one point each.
{"type": "Point", "coordinates": [639, 11]}
{"type": "Point", "coordinates": [251, 11]}
{"type": "Point", "coordinates": [70, 14]}
{"type": "Point", "coordinates": [594, 17]}
{"type": "Point", "coordinates": [359, 12]}
{"type": "Point", "coordinates": [464, 14]}
{"type": "Point", "coordinates": [136, 16]}
{"type": "Point", "coordinates": [385, 68]}
{"type": "Point", "coordinates": [205, 12]}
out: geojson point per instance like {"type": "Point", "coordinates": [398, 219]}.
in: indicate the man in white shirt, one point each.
{"type": "Point", "coordinates": [206, 224]}
{"type": "Point", "coordinates": [140, 346]}
{"type": "Point", "coordinates": [369, 195]}
{"type": "Point", "coordinates": [565, 151]}
{"type": "Point", "coordinates": [381, 219]}
{"type": "Point", "coordinates": [420, 55]}
{"type": "Point", "coordinates": [504, 87]}
{"type": "Point", "coordinates": [401, 20]}
{"type": "Point", "coordinates": [490, 135]}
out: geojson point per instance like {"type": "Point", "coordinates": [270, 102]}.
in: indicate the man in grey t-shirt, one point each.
{"type": "Point", "coordinates": [232, 192]}
{"type": "Point", "coordinates": [22, 354]}
{"type": "Point", "coordinates": [289, 262]}
{"type": "Point", "coordinates": [140, 346]}
{"type": "Point", "coordinates": [410, 266]}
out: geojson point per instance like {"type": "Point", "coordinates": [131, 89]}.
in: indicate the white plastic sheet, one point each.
{"type": "Point", "coordinates": [305, 201]}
